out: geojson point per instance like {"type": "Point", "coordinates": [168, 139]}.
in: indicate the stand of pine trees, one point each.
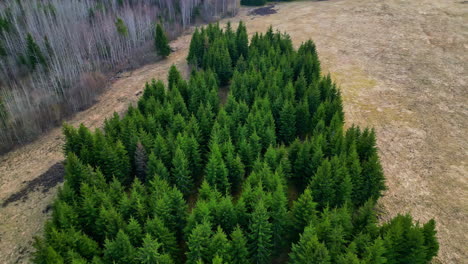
{"type": "Point", "coordinates": [182, 178]}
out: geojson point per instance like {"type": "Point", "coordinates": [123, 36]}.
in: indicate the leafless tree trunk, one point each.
{"type": "Point", "coordinates": [84, 46]}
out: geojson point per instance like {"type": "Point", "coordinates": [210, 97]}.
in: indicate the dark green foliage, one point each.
{"type": "Point", "coordinates": [238, 248]}
{"type": "Point", "coordinates": [322, 185]}
{"type": "Point", "coordinates": [160, 41]}
{"type": "Point", "coordinates": [303, 212]}
{"type": "Point", "coordinates": [33, 54]}
{"type": "Point", "coordinates": [150, 253]}
{"type": "Point", "coordinates": [242, 41]}
{"type": "Point", "coordinates": [406, 243]}
{"type": "Point", "coordinates": [260, 233]}
{"type": "Point", "coordinates": [156, 228]}
{"type": "Point", "coordinates": [287, 123]}
{"type": "Point", "coordinates": [430, 240]}
{"type": "Point", "coordinates": [181, 173]}
{"type": "Point", "coordinates": [216, 172]}
{"type": "Point", "coordinates": [199, 244]}
{"type": "Point", "coordinates": [121, 27]}
{"type": "Point", "coordinates": [238, 166]}
{"type": "Point", "coordinates": [309, 249]}
{"type": "Point", "coordinates": [119, 250]}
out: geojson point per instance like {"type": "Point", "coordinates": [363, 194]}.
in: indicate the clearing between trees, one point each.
{"type": "Point", "coordinates": [401, 68]}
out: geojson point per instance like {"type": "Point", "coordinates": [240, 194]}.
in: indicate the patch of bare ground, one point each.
{"type": "Point", "coordinates": [402, 68]}
{"type": "Point", "coordinates": [263, 11]}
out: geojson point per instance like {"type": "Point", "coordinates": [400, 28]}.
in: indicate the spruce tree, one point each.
{"type": "Point", "coordinates": [279, 218]}
{"type": "Point", "coordinates": [181, 172]}
{"type": "Point", "coordinates": [219, 245]}
{"type": "Point", "coordinates": [34, 54]}
{"type": "Point", "coordinates": [260, 235]}
{"type": "Point", "coordinates": [216, 172]}
{"type": "Point", "coordinates": [238, 247]}
{"type": "Point", "coordinates": [195, 56]}
{"type": "Point", "coordinates": [134, 232]}
{"type": "Point", "coordinates": [375, 252]}
{"type": "Point", "coordinates": [242, 41]}
{"type": "Point", "coordinates": [156, 228]}
{"type": "Point", "coordinates": [430, 240]}
{"type": "Point", "coordinates": [160, 41]}
{"type": "Point", "coordinates": [355, 172]}
{"type": "Point", "coordinates": [309, 250]}
{"type": "Point", "coordinates": [119, 250]}
{"type": "Point", "coordinates": [303, 212]}
{"type": "Point", "coordinates": [287, 123]}
{"type": "Point", "coordinates": [174, 77]}
{"type": "Point", "coordinates": [198, 244]}
{"type": "Point", "coordinates": [156, 167]}
{"type": "Point", "coordinates": [150, 252]}
{"type": "Point", "coordinates": [121, 27]}
{"type": "Point", "coordinates": [322, 185]}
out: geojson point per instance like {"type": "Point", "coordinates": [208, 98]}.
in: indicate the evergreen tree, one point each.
{"type": "Point", "coordinates": [375, 253]}
{"type": "Point", "coordinates": [156, 228]}
{"type": "Point", "coordinates": [156, 167]}
{"type": "Point", "coordinates": [279, 218]}
{"type": "Point", "coordinates": [181, 172]}
{"type": "Point", "coordinates": [199, 244]}
{"type": "Point", "coordinates": [322, 185]}
{"type": "Point", "coordinates": [430, 240]}
{"type": "Point", "coordinates": [150, 253]}
{"type": "Point", "coordinates": [34, 54]}
{"type": "Point", "coordinates": [216, 172]}
{"type": "Point", "coordinates": [45, 254]}
{"type": "Point", "coordinates": [238, 247]}
{"type": "Point", "coordinates": [309, 250]}
{"type": "Point", "coordinates": [119, 250]}
{"type": "Point", "coordinates": [160, 41]}
{"type": "Point", "coordinates": [260, 235]}
{"type": "Point", "coordinates": [195, 56]}
{"type": "Point", "coordinates": [355, 172]}
{"type": "Point", "coordinates": [287, 123]}
{"type": "Point", "coordinates": [121, 27]}
{"type": "Point", "coordinates": [303, 211]}
{"type": "Point", "coordinates": [219, 244]}
{"type": "Point", "coordinates": [242, 41]}
{"type": "Point", "coordinates": [174, 77]}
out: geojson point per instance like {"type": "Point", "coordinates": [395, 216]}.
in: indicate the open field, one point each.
{"type": "Point", "coordinates": [403, 69]}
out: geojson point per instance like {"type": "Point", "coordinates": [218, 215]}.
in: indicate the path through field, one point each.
{"type": "Point", "coordinates": [403, 69]}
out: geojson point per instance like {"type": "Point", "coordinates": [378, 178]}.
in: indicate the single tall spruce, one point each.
{"type": "Point", "coordinates": [160, 41]}
{"type": "Point", "coordinates": [260, 234]}
{"type": "Point", "coordinates": [34, 54]}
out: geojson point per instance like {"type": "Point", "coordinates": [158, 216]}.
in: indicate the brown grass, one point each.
{"type": "Point", "coordinates": [402, 68]}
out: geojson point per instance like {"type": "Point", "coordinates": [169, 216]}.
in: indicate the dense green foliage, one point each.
{"type": "Point", "coordinates": [184, 178]}
{"type": "Point", "coordinates": [160, 41]}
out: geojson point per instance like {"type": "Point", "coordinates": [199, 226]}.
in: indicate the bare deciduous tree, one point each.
{"type": "Point", "coordinates": [81, 45]}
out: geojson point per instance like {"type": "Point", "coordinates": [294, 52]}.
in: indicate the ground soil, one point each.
{"type": "Point", "coordinates": [402, 68]}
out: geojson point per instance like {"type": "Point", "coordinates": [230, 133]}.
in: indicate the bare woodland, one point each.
{"type": "Point", "coordinates": [56, 55]}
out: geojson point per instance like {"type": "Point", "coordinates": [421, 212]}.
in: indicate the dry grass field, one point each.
{"type": "Point", "coordinates": [403, 69]}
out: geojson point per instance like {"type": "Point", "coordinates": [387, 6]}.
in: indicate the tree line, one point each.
{"type": "Point", "coordinates": [56, 55]}
{"type": "Point", "coordinates": [269, 176]}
